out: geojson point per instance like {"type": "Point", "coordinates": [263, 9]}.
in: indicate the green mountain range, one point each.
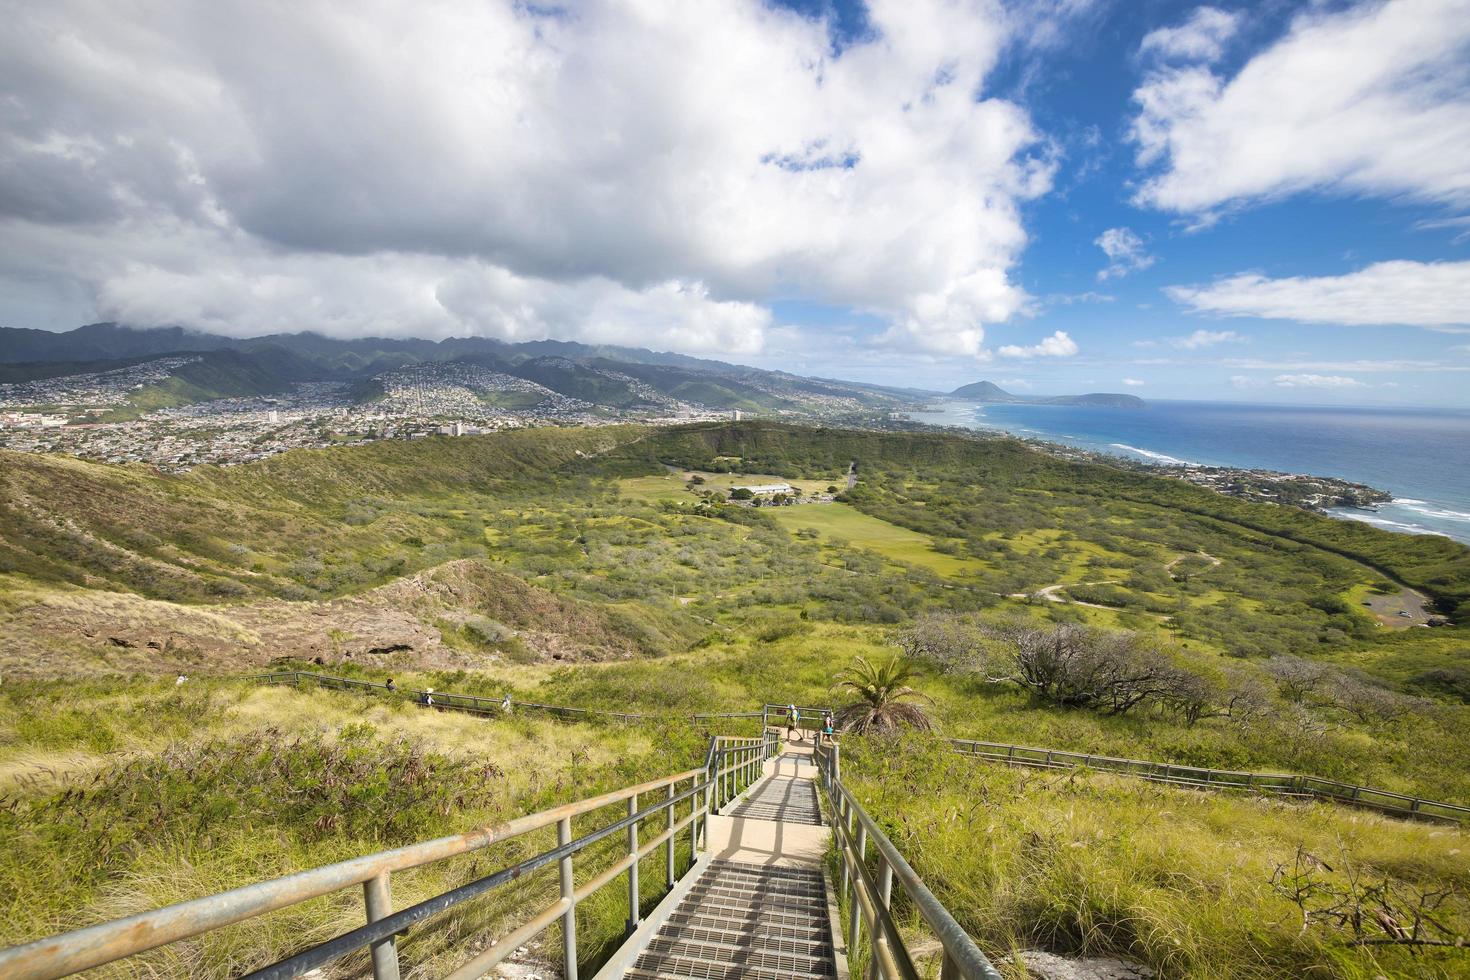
{"type": "Point", "coordinates": [606, 376]}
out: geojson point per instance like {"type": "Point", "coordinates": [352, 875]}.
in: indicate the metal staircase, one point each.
{"type": "Point", "coordinates": [744, 921]}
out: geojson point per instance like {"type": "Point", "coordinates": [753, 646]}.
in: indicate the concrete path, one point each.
{"type": "Point", "coordinates": [777, 822]}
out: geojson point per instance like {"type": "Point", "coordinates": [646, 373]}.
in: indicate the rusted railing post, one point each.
{"type": "Point", "coordinates": [633, 896]}
{"type": "Point", "coordinates": [854, 916]}
{"type": "Point", "coordinates": [844, 814]}
{"type": "Point", "coordinates": [378, 897]}
{"type": "Point", "coordinates": [950, 970]}
{"type": "Point", "coordinates": [568, 895]}
{"type": "Point", "coordinates": [669, 848]}
{"type": "Point", "coordinates": [885, 899]}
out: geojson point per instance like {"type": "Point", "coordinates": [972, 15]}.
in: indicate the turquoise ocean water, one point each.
{"type": "Point", "coordinates": [1421, 456]}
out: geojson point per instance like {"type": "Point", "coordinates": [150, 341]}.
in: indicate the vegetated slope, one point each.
{"type": "Point", "coordinates": [464, 613]}
{"type": "Point", "coordinates": [1193, 884]}
{"type": "Point", "coordinates": [231, 532]}
{"type": "Point", "coordinates": [1001, 520]}
{"type": "Point", "coordinates": [575, 380]}
{"type": "Point", "coordinates": [217, 374]}
{"type": "Point", "coordinates": [489, 555]}
{"type": "Point", "coordinates": [1001, 469]}
{"type": "Point", "coordinates": [722, 389]}
{"type": "Point", "coordinates": [127, 796]}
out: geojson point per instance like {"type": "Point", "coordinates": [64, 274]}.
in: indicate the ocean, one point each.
{"type": "Point", "coordinates": [1421, 456]}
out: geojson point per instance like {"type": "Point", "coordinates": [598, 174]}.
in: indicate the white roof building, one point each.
{"type": "Point", "coordinates": [766, 489]}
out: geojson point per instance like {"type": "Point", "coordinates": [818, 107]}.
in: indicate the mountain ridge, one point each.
{"type": "Point", "coordinates": [604, 375]}
{"type": "Point", "coordinates": [992, 393]}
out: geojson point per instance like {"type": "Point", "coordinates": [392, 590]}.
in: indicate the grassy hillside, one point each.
{"type": "Point", "coordinates": [603, 568]}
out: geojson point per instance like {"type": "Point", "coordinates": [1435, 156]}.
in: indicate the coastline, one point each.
{"type": "Point", "coordinates": [1342, 499]}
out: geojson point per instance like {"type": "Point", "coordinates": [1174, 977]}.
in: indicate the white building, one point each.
{"type": "Point", "coordinates": [767, 489]}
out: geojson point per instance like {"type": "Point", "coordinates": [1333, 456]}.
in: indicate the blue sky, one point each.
{"type": "Point", "coordinates": [1127, 326]}
{"type": "Point", "coordinates": [1257, 202]}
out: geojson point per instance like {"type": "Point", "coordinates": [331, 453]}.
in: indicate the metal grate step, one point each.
{"type": "Point", "coordinates": [735, 952]}
{"type": "Point", "coordinates": [744, 922]}
{"type": "Point", "coordinates": [813, 932]}
{"type": "Point", "coordinates": [737, 939]}
{"type": "Point", "coordinates": [745, 899]}
{"type": "Point", "coordinates": [786, 917]}
{"type": "Point", "coordinates": [794, 885]}
{"type": "Point", "coordinates": [746, 963]}
{"type": "Point", "coordinates": [702, 970]}
{"type": "Point", "coordinates": [787, 799]}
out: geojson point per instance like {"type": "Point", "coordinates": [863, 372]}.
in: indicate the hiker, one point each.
{"type": "Point", "coordinates": [429, 696]}
{"type": "Point", "coordinates": [505, 704]}
{"type": "Point", "coordinates": [792, 718]}
{"type": "Point", "coordinates": [392, 688]}
{"type": "Point", "coordinates": [827, 727]}
{"type": "Point", "coordinates": [181, 680]}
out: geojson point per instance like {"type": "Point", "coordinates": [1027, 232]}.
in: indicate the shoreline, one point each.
{"type": "Point", "coordinates": [1341, 498]}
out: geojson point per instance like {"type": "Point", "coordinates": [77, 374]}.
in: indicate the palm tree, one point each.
{"type": "Point", "coordinates": [882, 698]}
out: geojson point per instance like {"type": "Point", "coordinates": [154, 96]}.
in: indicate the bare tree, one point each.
{"type": "Point", "coordinates": [952, 644]}
{"type": "Point", "coordinates": [1372, 911]}
{"type": "Point", "coordinates": [1077, 666]}
{"type": "Point", "coordinates": [1230, 693]}
{"type": "Point", "coordinates": [1298, 679]}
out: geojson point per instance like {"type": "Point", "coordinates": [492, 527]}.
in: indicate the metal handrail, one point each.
{"type": "Point", "coordinates": [1281, 784]}
{"type": "Point", "coordinates": [477, 703]}
{"type": "Point", "coordinates": [870, 899]}
{"type": "Point", "coordinates": [1276, 783]}
{"type": "Point", "coordinates": [732, 765]}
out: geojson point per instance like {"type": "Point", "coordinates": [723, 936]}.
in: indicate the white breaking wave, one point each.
{"type": "Point", "coordinates": [1368, 518]}
{"type": "Point", "coordinates": [1428, 510]}
{"type": "Point", "coordinates": [1150, 454]}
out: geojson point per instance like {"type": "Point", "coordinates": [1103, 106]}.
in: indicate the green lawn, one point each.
{"type": "Point", "coordinates": [862, 531]}
{"type": "Point", "coordinates": [672, 486]}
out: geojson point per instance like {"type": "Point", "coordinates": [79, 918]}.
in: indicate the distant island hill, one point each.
{"type": "Point", "coordinates": [989, 391]}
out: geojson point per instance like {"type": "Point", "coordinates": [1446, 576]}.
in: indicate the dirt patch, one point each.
{"type": "Point", "coordinates": [61, 632]}
{"type": "Point", "coordinates": [1401, 609]}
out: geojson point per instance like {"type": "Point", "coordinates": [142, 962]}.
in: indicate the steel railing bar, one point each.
{"type": "Point", "coordinates": [1286, 784]}
{"type": "Point", "coordinates": [330, 950]}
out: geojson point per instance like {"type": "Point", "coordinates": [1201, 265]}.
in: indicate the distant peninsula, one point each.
{"type": "Point", "coordinates": [989, 391]}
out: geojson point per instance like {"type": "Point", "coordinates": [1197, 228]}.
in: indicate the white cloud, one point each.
{"type": "Point", "coordinates": [1373, 99]}
{"type": "Point", "coordinates": [611, 162]}
{"type": "Point", "coordinates": [1205, 338]}
{"type": "Point", "coordinates": [1125, 253]}
{"type": "Point", "coordinates": [231, 284]}
{"type": "Point", "coordinates": [1327, 381]}
{"type": "Point", "coordinates": [1245, 381]}
{"type": "Point", "coordinates": [1133, 382]}
{"type": "Point", "coordinates": [1459, 222]}
{"type": "Point", "coordinates": [1057, 345]}
{"type": "Point", "coordinates": [1200, 38]}
{"type": "Point", "coordinates": [1421, 294]}
{"type": "Point", "coordinates": [1361, 366]}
